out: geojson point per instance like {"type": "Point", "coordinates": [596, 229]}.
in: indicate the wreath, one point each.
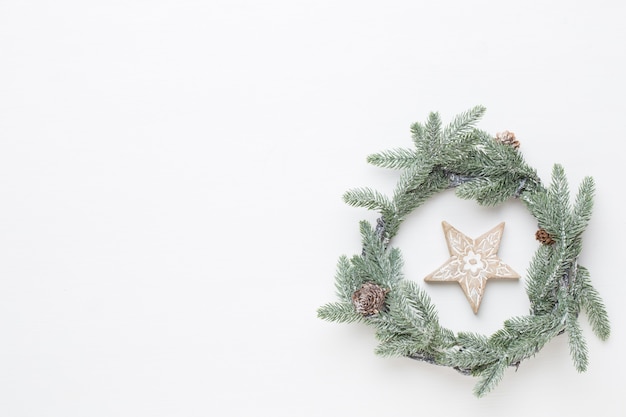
{"type": "Point", "coordinates": [490, 170]}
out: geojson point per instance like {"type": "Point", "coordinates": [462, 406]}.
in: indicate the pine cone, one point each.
{"type": "Point", "coordinates": [544, 237]}
{"type": "Point", "coordinates": [369, 299]}
{"type": "Point", "coordinates": [508, 138]}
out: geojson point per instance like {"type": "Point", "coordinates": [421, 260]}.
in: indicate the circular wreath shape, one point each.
{"type": "Point", "coordinates": [490, 170]}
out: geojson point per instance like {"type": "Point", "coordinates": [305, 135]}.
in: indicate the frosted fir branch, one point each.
{"type": "Point", "coordinates": [457, 180]}
{"type": "Point", "coordinates": [433, 129]}
{"type": "Point", "coordinates": [490, 377]}
{"type": "Point", "coordinates": [380, 232]}
{"type": "Point", "coordinates": [339, 313]}
{"type": "Point", "coordinates": [394, 159]}
{"type": "Point", "coordinates": [464, 122]}
{"type": "Point", "coordinates": [593, 306]}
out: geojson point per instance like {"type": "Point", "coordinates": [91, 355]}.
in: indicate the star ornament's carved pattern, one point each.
{"type": "Point", "coordinates": [472, 262]}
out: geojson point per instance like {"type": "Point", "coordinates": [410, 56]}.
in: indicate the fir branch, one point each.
{"type": "Point", "coordinates": [339, 313]}
{"type": "Point", "coordinates": [583, 205]}
{"type": "Point", "coordinates": [367, 269]}
{"type": "Point", "coordinates": [417, 303]}
{"type": "Point", "coordinates": [538, 204]}
{"type": "Point", "coordinates": [400, 346]}
{"type": "Point", "coordinates": [373, 247]}
{"type": "Point", "coordinates": [559, 208]}
{"type": "Point", "coordinates": [502, 339]}
{"type": "Point", "coordinates": [375, 263]}
{"type": "Point", "coordinates": [577, 344]}
{"type": "Point", "coordinates": [415, 186]}
{"type": "Point", "coordinates": [345, 282]}
{"type": "Point", "coordinates": [531, 326]}
{"type": "Point", "coordinates": [456, 150]}
{"type": "Point", "coordinates": [542, 261]}
{"type": "Point", "coordinates": [544, 273]}
{"type": "Point", "coordinates": [549, 277]}
{"type": "Point", "coordinates": [528, 334]}
{"type": "Point", "coordinates": [394, 158]}
{"type": "Point", "coordinates": [472, 351]}
{"type": "Point", "coordinates": [394, 264]}
{"type": "Point", "coordinates": [418, 134]}
{"type": "Point", "coordinates": [410, 181]}
{"type": "Point", "coordinates": [433, 132]}
{"type": "Point", "coordinates": [386, 324]}
{"type": "Point", "coordinates": [463, 122]}
{"type": "Point", "coordinates": [496, 159]}
{"type": "Point", "coordinates": [490, 377]}
{"type": "Point", "coordinates": [487, 191]}
{"type": "Point", "coordinates": [593, 306]}
{"type": "Point", "coordinates": [369, 199]}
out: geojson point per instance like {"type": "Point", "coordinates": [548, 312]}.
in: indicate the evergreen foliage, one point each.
{"type": "Point", "coordinates": [480, 168]}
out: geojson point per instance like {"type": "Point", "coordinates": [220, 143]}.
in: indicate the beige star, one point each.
{"type": "Point", "coordinates": [472, 262]}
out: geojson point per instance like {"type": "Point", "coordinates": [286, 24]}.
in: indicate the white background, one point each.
{"type": "Point", "coordinates": [171, 176]}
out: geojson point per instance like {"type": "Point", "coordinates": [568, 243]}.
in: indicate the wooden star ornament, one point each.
{"type": "Point", "coordinates": [472, 262]}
